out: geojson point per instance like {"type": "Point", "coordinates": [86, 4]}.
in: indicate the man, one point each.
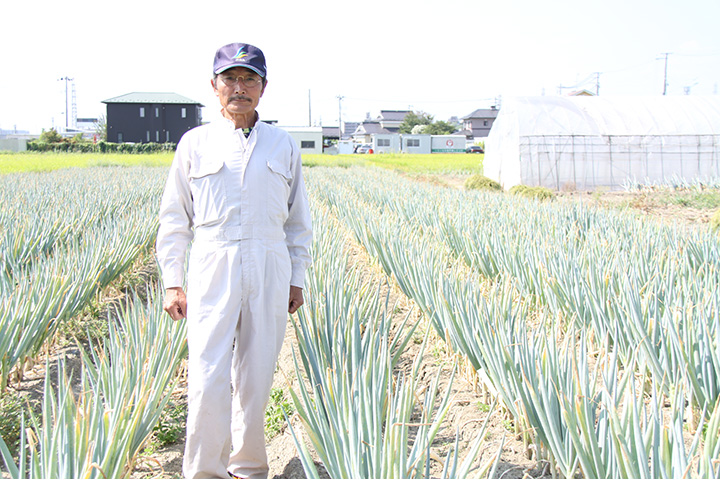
{"type": "Point", "coordinates": [236, 190]}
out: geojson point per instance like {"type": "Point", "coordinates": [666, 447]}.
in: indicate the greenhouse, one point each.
{"type": "Point", "coordinates": [581, 143]}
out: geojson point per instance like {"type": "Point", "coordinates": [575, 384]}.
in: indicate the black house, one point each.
{"type": "Point", "coordinates": [150, 117]}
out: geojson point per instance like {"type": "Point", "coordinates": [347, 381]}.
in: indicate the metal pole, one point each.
{"type": "Point", "coordinates": [665, 84]}
{"type": "Point", "coordinates": [67, 120]}
{"type": "Point", "coordinates": [340, 99]}
{"type": "Point", "coordinates": [66, 104]}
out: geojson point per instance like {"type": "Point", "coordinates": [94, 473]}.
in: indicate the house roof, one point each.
{"type": "Point", "coordinates": [580, 93]}
{"type": "Point", "coordinates": [393, 115]}
{"type": "Point", "coordinates": [331, 132]}
{"type": "Point", "coordinates": [152, 97]}
{"type": "Point", "coordinates": [482, 113]}
{"type": "Point", "coordinates": [368, 128]}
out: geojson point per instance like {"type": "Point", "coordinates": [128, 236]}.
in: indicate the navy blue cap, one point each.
{"type": "Point", "coordinates": [240, 55]}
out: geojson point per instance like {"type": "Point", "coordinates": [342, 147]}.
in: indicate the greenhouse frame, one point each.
{"type": "Point", "coordinates": [582, 143]}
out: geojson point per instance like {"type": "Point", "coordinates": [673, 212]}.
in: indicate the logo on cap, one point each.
{"type": "Point", "coordinates": [240, 55]}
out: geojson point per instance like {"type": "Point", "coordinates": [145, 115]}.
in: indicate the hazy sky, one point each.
{"type": "Point", "coordinates": [444, 57]}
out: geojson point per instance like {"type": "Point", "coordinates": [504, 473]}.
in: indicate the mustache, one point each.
{"type": "Point", "coordinates": [239, 97]}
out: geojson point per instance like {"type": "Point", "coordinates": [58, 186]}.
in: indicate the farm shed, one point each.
{"type": "Point", "coordinates": [587, 142]}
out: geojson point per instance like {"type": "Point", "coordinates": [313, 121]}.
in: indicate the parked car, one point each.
{"type": "Point", "coordinates": [365, 149]}
{"type": "Point", "coordinates": [474, 149]}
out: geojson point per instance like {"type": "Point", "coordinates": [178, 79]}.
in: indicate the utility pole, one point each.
{"type": "Point", "coordinates": [597, 83]}
{"type": "Point", "coordinates": [67, 123]}
{"type": "Point", "coordinates": [340, 99]}
{"type": "Point", "coordinates": [665, 84]}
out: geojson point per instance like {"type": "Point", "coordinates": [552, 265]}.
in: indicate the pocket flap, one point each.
{"type": "Point", "coordinates": [204, 167]}
{"type": "Point", "coordinates": [280, 168]}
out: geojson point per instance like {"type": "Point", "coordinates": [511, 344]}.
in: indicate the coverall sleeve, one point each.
{"type": "Point", "coordinates": [176, 213]}
{"type": "Point", "coordinates": [298, 227]}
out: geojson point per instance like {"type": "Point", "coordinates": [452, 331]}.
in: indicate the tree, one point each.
{"type": "Point", "coordinates": [415, 118]}
{"type": "Point", "coordinates": [50, 136]}
{"type": "Point", "coordinates": [440, 128]}
{"type": "Point", "coordinates": [101, 128]}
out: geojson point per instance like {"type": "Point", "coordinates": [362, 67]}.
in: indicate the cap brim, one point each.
{"type": "Point", "coordinates": [243, 65]}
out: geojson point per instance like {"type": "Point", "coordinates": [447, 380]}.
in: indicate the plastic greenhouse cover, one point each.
{"type": "Point", "coordinates": [620, 116]}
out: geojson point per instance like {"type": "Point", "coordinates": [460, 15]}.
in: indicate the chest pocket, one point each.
{"type": "Point", "coordinates": [279, 179]}
{"type": "Point", "coordinates": [281, 168]}
{"type": "Point", "coordinates": [207, 185]}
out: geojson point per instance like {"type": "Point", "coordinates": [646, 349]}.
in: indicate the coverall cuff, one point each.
{"type": "Point", "coordinates": [297, 279]}
{"type": "Point", "coordinates": [172, 279]}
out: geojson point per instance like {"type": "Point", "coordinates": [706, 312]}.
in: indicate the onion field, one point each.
{"type": "Point", "coordinates": [594, 332]}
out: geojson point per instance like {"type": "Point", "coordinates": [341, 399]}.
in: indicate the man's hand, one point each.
{"type": "Point", "coordinates": [175, 302]}
{"type": "Point", "coordinates": [296, 299]}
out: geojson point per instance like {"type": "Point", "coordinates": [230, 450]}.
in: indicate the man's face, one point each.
{"type": "Point", "coordinates": [236, 97]}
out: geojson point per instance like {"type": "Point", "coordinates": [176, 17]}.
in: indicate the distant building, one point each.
{"type": "Point", "coordinates": [14, 132]}
{"type": "Point", "coordinates": [142, 117]}
{"type": "Point", "coordinates": [581, 93]}
{"type": "Point", "coordinates": [390, 120]}
{"type": "Point", "coordinates": [86, 124]}
{"type": "Point", "coordinates": [386, 142]}
{"type": "Point", "coordinates": [348, 128]}
{"type": "Point", "coordinates": [309, 139]}
{"type": "Point", "coordinates": [364, 132]}
{"type": "Point", "coordinates": [480, 121]}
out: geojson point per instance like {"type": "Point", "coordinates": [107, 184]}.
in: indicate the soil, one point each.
{"type": "Point", "coordinates": [468, 411]}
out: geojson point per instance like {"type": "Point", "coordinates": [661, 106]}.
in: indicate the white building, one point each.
{"type": "Point", "coordinates": [448, 144]}
{"type": "Point", "coordinates": [309, 139]}
{"type": "Point", "coordinates": [416, 143]}
{"type": "Point", "coordinates": [386, 143]}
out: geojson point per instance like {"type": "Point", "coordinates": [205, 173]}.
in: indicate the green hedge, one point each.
{"type": "Point", "coordinates": [100, 147]}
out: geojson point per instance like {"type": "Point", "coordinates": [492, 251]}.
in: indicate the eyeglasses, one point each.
{"type": "Point", "coordinates": [232, 80]}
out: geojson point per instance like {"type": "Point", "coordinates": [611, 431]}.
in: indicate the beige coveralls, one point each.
{"type": "Point", "coordinates": [243, 204]}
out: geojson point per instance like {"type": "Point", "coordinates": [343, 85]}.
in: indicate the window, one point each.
{"type": "Point", "coordinates": [142, 112]}
{"type": "Point", "coordinates": [485, 122]}
{"type": "Point", "coordinates": [307, 144]}
{"type": "Point", "coordinates": [167, 136]}
{"type": "Point", "coordinates": [157, 112]}
{"type": "Point", "coordinates": [157, 136]}
{"type": "Point", "coordinates": [413, 142]}
{"type": "Point", "coordinates": [383, 142]}
{"type": "Point", "coordinates": [120, 139]}
{"type": "Point", "coordinates": [147, 135]}
{"type": "Point", "coordinates": [183, 112]}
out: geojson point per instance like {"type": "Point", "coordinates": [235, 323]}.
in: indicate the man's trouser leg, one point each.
{"type": "Point", "coordinates": [211, 327]}
{"type": "Point", "coordinates": [257, 345]}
